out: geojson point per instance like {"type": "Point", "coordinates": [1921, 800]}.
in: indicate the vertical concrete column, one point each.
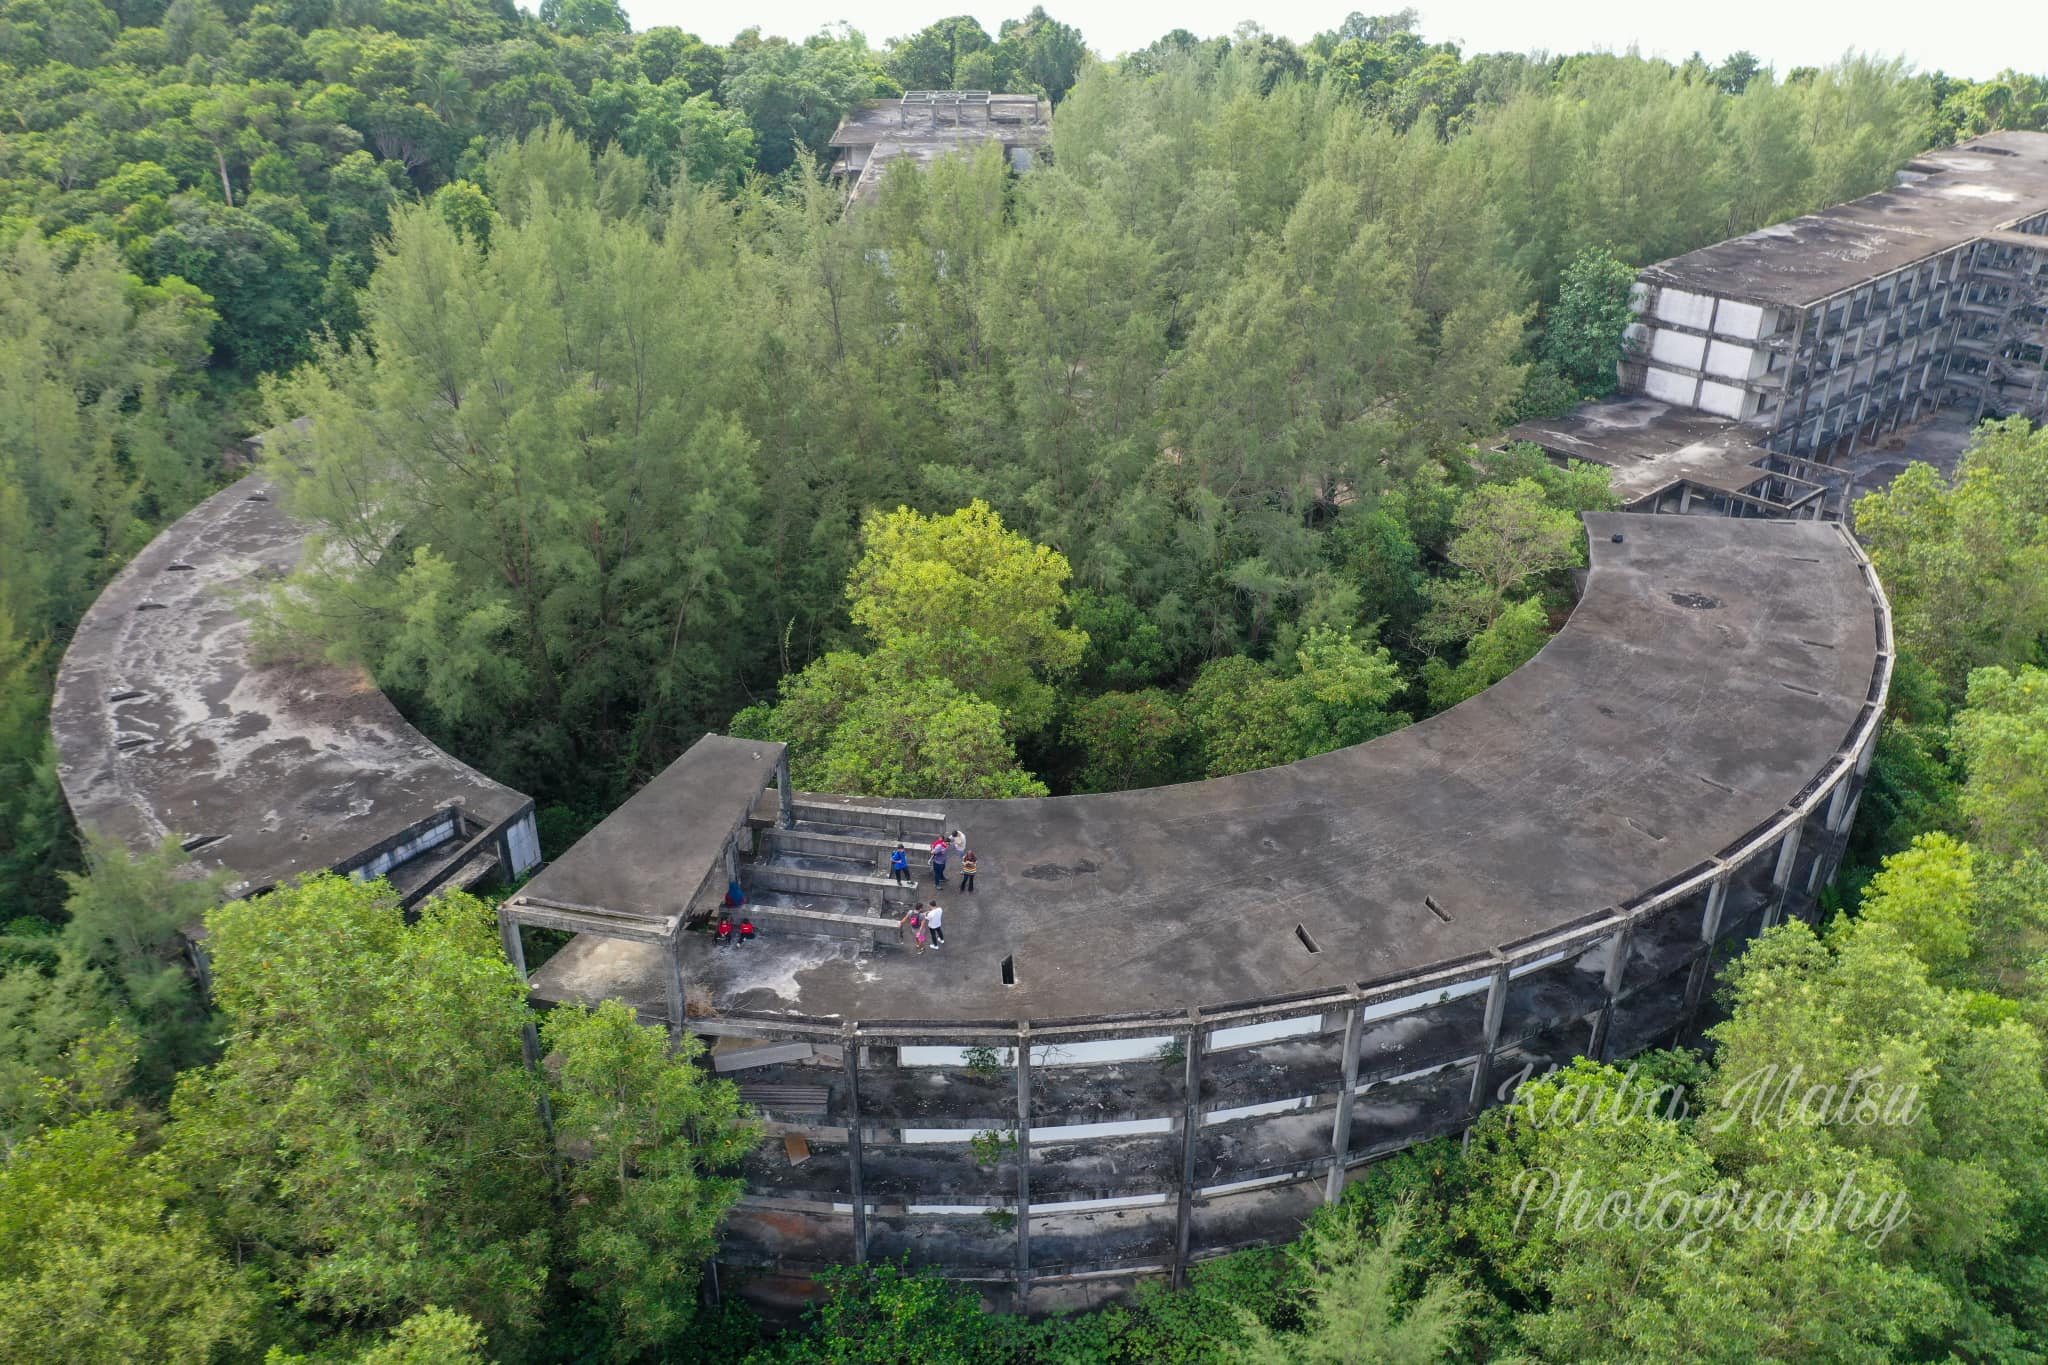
{"type": "Point", "coordinates": [1610, 986]}
{"type": "Point", "coordinates": [678, 1000]}
{"type": "Point", "coordinates": [1190, 1141]}
{"type": "Point", "coordinates": [731, 854]}
{"type": "Point", "coordinates": [1496, 1011]}
{"type": "Point", "coordinates": [784, 796]}
{"type": "Point", "coordinates": [529, 1036]}
{"type": "Point", "coordinates": [1781, 875]}
{"type": "Point", "coordinates": [851, 1042]}
{"type": "Point", "coordinates": [1703, 965]}
{"type": "Point", "coordinates": [1023, 1166]}
{"type": "Point", "coordinates": [1340, 1133]}
{"type": "Point", "coordinates": [1838, 801]}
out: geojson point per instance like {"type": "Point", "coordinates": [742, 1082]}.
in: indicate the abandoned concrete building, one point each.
{"type": "Point", "coordinates": [168, 723]}
{"type": "Point", "coordinates": [1758, 363]}
{"type": "Point", "coordinates": [924, 125]}
{"type": "Point", "coordinates": [1168, 1023]}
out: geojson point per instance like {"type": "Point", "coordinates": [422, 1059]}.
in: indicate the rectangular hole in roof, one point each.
{"type": "Point", "coordinates": [1436, 909]}
{"type": "Point", "coordinates": [1817, 644]}
{"type": "Point", "coordinates": [1795, 687]}
{"type": "Point", "coordinates": [149, 606]}
{"type": "Point", "coordinates": [1009, 971]}
{"type": "Point", "coordinates": [1717, 786]}
{"type": "Point", "coordinates": [199, 841]}
{"type": "Point", "coordinates": [127, 694]}
{"type": "Point", "coordinates": [178, 568]}
{"type": "Point", "coordinates": [1644, 830]}
{"type": "Point", "coordinates": [1301, 932]}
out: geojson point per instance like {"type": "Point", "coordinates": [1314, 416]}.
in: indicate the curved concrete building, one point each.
{"type": "Point", "coordinates": [168, 724]}
{"type": "Point", "coordinates": [1169, 1023]}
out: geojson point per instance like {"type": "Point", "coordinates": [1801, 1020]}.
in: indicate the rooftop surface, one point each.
{"type": "Point", "coordinates": [1712, 669]}
{"type": "Point", "coordinates": [1024, 120]}
{"type": "Point", "coordinates": [1652, 446]}
{"type": "Point", "coordinates": [1952, 196]}
{"type": "Point", "coordinates": [165, 724]}
{"type": "Point", "coordinates": [647, 859]}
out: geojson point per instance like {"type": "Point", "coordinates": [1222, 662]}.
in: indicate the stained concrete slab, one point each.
{"type": "Point", "coordinates": [166, 723]}
{"type": "Point", "coordinates": [1713, 668]}
{"type": "Point", "coordinates": [1952, 195]}
{"type": "Point", "coordinates": [1652, 447]}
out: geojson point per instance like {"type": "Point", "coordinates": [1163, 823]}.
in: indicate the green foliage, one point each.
{"type": "Point", "coordinates": [1582, 332]}
{"type": "Point", "coordinates": [1353, 1292]}
{"type": "Point", "coordinates": [370, 1139]}
{"type": "Point", "coordinates": [1966, 564]}
{"type": "Point", "coordinates": [652, 1133]}
{"type": "Point", "coordinates": [1506, 536]}
{"type": "Point", "coordinates": [1127, 739]}
{"type": "Point", "coordinates": [1244, 715]}
{"type": "Point", "coordinates": [990, 1148]}
{"type": "Point", "coordinates": [2002, 735]}
{"type": "Point", "coordinates": [98, 1265]}
{"type": "Point", "coordinates": [976, 604]}
{"type": "Point", "coordinates": [982, 1061]}
{"type": "Point", "coordinates": [1496, 651]}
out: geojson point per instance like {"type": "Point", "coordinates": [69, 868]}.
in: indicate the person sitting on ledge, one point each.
{"type": "Point", "coordinates": [724, 930]}
{"type": "Point", "coordinates": [746, 932]}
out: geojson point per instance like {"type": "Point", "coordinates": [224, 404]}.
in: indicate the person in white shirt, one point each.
{"type": "Point", "coordinates": [935, 920]}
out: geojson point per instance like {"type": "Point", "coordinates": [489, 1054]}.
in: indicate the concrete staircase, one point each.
{"type": "Point", "coordinates": [828, 875]}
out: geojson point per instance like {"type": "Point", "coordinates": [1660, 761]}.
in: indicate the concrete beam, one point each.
{"type": "Point", "coordinates": [1340, 1135]}
{"type": "Point", "coordinates": [853, 1189]}
{"type": "Point", "coordinates": [1190, 1141]}
{"type": "Point", "coordinates": [1023, 1303]}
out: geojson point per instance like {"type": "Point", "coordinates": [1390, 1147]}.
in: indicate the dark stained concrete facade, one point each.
{"type": "Point", "coordinates": [168, 724]}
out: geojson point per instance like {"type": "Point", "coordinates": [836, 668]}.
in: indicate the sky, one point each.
{"type": "Point", "coordinates": [1783, 33]}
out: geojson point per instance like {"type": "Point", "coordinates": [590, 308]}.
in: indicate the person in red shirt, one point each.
{"type": "Point", "coordinates": [746, 932]}
{"type": "Point", "coordinates": [724, 930]}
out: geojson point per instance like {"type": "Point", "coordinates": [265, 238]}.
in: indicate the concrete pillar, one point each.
{"type": "Point", "coordinates": [1610, 984]}
{"type": "Point", "coordinates": [1703, 966]}
{"type": "Point", "coordinates": [1023, 1167]}
{"type": "Point", "coordinates": [731, 854]}
{"type": "Point", "coordinates": [529, 1037]}
{"type": "Point", "coordinates": [1496, 1011]}
{"type": "Point", "coordinates": [1190, 1141]}
{"type": "Point", "coordinates": [851, 1042]}
{"type": "Point", "coordinates": [785, 797]}
{"type": "Point", "coordinates": [1838, 802]}
{"type": "Point", "coordinates": [678, 1001]}
{"type": "Point", "coordinates": [1781, 875]}
{"type": "Point", "coordinates": [1340, 1135]}
{"type": "Point", "coordinates": [1684, 498]}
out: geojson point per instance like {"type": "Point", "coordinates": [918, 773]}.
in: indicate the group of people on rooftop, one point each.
{"type": "Point", "coordinates": [927, 920]}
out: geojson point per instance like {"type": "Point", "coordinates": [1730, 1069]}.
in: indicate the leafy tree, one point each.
{"type": "Point", "coordinates": [1582, 335]}
{"type": "Point", "coordinates": [976, 604]}
{"type": "Point", "coordinates": [1498, 650]}
{"type": "Point", "coordinates": [2003, 737]}
{"type": "Point", "coordinates": [1245, 715]}
{"type": "Point", "coordinates": [1357, 1307]}
{"type": "Point", "coordinates": [97, 1263]}
{"type": "Point", "coordinates": [1128, 739]}
{"type": "Point", "coordinates": [651, 1132]}
{"type": "Point", "coordinates": [370, 1139]}
{"type": "Point", "coordinates": [1966, 565]}
{"type": "Point", "coordinates": [795, 94]}
{"type": "Point", "coordinates": [1507, 534]}
{"type": "Point", "coordinates": [127, 921]}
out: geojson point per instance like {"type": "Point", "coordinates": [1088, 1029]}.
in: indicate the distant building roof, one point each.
{"type": "Point", "coordinates": [927, 124]}
{"type": "Point", "coordinates": [1947, 198]}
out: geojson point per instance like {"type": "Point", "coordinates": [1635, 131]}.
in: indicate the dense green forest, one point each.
{"type": "Point", "coordinates": [1155, 463]}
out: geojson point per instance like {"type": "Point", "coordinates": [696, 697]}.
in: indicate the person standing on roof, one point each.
{"type": "Point", "coordinates": [899, 866]}
{"type": "Point", "coordinates": [939, 863]}
{"type": "Point", "coordinates": [914, 922]}
{"type": "Point", "coordinates": [935, 920]}
{"type": "Point", "coordinates": [967, 871]}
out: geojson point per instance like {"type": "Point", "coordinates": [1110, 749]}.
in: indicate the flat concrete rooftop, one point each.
{"type": "Point", "coordinates": [1019, 120]}
{"type": "Point", "coordinates": [1652, 446]}
{"type": "Point", "coordinates": [167, 725]}
{"type": "Point", "coordinates": [1952, 196]}
{"type": "Point", "coordinates": [648, 858]}
{"type": "Point", "coordinates": [1713, 668]}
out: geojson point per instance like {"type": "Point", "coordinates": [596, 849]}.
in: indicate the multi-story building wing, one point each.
{"type": "Point", "coordinates": [1812, 335]}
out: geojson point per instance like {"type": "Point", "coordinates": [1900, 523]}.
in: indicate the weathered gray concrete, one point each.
{"type": "Point", "coordinates": [167, 724]}
{"type": "Point", "coordinates": [1652, 447]}
{"type": "Point", "coordinates": [1713, 668]}
{"type": "Point", "coordinates": [1953, 195]}
{"type": "Point", "coordinates": [919, 130]}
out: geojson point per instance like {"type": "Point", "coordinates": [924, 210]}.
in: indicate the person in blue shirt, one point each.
{"type": "Point", "coordinates": [899, 866]}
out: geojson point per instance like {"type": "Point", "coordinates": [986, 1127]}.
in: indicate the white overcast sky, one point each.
{"type": "Point", "coordinates": [1976, 39]}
